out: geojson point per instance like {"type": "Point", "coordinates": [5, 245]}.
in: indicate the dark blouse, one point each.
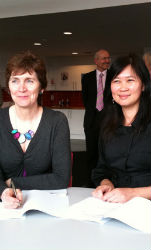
{"type": "Point", "coordinates": [47, 160]}
{"type": "Point", "coordinates": [126, 158]}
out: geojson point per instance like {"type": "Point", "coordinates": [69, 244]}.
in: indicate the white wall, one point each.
{"type": "Point", "coordinates": [73, 66]}
{"type": "Point", "coordinates": [74, 77]}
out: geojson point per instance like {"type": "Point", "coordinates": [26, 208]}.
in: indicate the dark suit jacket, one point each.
{"type": "Point", "coordinates": [89, 94]}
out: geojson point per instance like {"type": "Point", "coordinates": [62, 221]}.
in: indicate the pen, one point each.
{"type": "Point", "coordinates": [14, 189]}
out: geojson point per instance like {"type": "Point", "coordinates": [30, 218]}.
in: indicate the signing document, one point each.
{"type": "Point", "coordinates": [135, 213]}
{"type": "Point", "coordinates": [50, 202]}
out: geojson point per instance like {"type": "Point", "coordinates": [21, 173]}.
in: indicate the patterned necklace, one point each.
{"type": "Point", "coordinates": [22, 137]}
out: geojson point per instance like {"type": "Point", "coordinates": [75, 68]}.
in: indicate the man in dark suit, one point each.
{"type": "Point", "coordinates": [90, 82]}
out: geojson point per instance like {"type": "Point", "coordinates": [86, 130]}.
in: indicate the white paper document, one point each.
{"type": "Point", "coordinates": [50, 202]}
{"type": "Point", "coordinates": [136, 212]}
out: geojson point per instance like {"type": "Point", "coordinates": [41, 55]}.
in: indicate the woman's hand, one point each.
{"type": "Point", "coordinates": [119, 195]}
{"type": "Point", "coordinates": [9, 200]}
{"type": "Point", "coordinates": [8, 182]}
{"type": "Point", "coordinates": [105, 187]}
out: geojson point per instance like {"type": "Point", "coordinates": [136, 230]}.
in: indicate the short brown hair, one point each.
{"type": "Point", "coordinates": [27, 62]}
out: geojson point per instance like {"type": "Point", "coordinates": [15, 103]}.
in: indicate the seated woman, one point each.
{"type": "Point", "coordinates": [124, 167]}
{"type": "Point", "coordinates": [34, 141]}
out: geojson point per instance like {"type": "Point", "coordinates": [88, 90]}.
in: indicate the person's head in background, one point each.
{"type": "Point", "coordinates": [29, 68]}
{"type": "Point", "coordinates": [147, 60]}
{"type": "Point", "coordinates": [128, 88]}
{"type": "Point", "coordinates": [102, 59]}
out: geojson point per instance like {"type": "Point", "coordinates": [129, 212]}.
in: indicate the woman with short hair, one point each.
{"type": "Point", "coordinates": [34, 141]}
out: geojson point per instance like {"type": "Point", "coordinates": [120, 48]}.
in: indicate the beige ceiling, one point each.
{"type": "Point", "coordinates": [120, 29]}
{"type": "Point", "coordinates": [10, 8]}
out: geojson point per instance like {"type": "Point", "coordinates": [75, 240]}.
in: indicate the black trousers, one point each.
{"type": "Point", "coordinates": [92, 139]}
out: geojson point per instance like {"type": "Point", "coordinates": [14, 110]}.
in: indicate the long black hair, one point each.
{"type": "Point", "coordinates": [112, 112]}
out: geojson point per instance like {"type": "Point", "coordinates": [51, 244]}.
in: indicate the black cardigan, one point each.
{"type": "Point", "coordinates": [47, 160]}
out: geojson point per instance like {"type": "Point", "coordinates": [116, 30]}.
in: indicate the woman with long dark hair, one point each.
{"type": "Point", "coordinates": [124, 167]}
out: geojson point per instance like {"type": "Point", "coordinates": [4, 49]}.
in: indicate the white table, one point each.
{"type": "Point", "coordinates": [39, 231]}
